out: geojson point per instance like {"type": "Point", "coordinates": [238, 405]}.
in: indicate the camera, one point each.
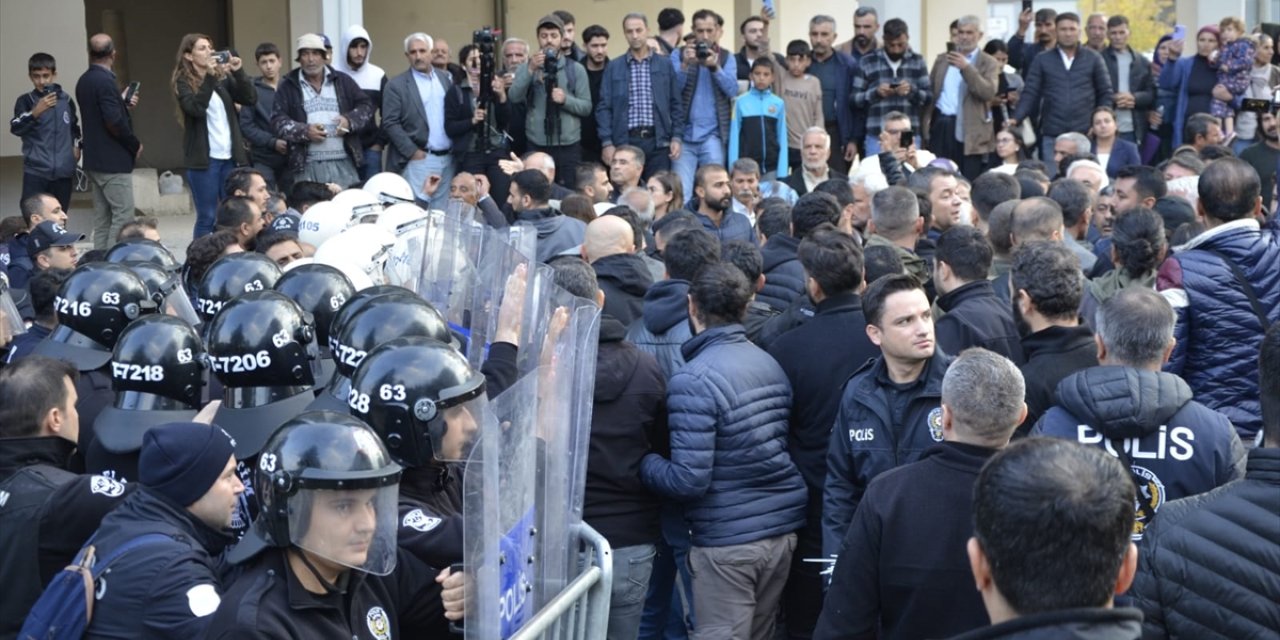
{"type": "Point", "coordinates": [702, 50]}
{"type": "Point", "coordinates": [549, 64]}
{"type": "Point", "coordinates": [223, 57]}
{"type": "Point", "coordinates": [484, 38]}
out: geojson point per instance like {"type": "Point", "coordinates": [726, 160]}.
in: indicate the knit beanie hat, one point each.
{"type": "Point", "coordinates": [181, 460]}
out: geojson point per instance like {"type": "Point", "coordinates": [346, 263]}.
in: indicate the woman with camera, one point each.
{"type": "Point", "coordinates": [208, 85]}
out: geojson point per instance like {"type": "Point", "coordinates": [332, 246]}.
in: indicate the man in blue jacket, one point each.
{"type": "Point", "coordinates": [834, 70]}
{"type": "Point", "coordinates": [46, 121]}
{"type": "Point", "coordinates": [1174, 446]}
{"type": "Point", "coordinates": [744, 498]}
{"type": "Point", "coordinates": [640, 102]}
{"type": "Point", "coordinates": [708, 80]}
{"type": "Point", "coordinates": [169, 586]}
{"type": "Point", "coordinates": [890, 411]}
{"type": "Point", "coordinates": [110, 146]}
{"type": "Point", "coordinates": [1225, 287]}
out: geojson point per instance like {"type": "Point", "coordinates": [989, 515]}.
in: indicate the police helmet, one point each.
{"type": "Point", "coordinates": [232, 275]}
{"type": "Point", "coordinates": [318, 469]}
{"type": "Point", "coordinates": [94, 305]}
{"type": "Point", "coordinates": [143, 250]}
{"type": "Point", "coordinates": [385, 318]}
{"type": "Point", "coordinates": [166, 290]}
{"type": "Point", "coordinates": [422, 398]}
{"type": "Point", "coordinates": [319, 289]}
{"type": "Point", "coordinates": [262, 339]}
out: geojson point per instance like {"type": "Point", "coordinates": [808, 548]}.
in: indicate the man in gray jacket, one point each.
{"type": "Point", "coordinates": [555, 106]}
{"type": "Point", "coordinates": [1064, 86]}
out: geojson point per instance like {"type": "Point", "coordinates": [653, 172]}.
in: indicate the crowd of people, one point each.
{"type": "Point", "coordinates": [983, 347]}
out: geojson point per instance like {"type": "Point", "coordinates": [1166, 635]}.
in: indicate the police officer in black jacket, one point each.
{"type": "Point", "coordinates": [47, 511]}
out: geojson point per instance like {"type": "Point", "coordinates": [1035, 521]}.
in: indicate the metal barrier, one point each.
{"type": "Point", "coordinates": [581, 610]}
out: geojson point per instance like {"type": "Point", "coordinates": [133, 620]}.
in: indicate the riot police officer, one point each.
{"type": "Point", "coordinates": [166, 290]}
{"type": "Point", "coordinates": [95, 304]}
{"type": "Point", "coordinates": [320, 290]}
{"type": "Point", "coordinates": [157, 374]}
{"type": "Point", "coordinates": [230, 276]}
{"type": "Point", "coordinates": [321, 559]}
{"type": "Point", "coordinates": [143, 250]}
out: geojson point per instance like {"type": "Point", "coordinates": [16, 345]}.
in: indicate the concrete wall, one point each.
{"type": "Point", "coordinates": [389, 21]}
{"type": "Point", "coordinates": [27, 27]}
{"type": "Point", "coordinates": [254, 22]}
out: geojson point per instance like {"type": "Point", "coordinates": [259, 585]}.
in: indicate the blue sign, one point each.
{"type": "Point", "coordinates": [515, 574]}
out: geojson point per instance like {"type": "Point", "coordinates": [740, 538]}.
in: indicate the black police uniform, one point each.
{"type": "Point", "coordinates": [47, 512]}
{"type": "Point", "coordinates": [268, 601]}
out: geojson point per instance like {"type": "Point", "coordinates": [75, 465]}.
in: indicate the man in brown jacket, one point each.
{"type": "Point", "coordinates": [964, 82]}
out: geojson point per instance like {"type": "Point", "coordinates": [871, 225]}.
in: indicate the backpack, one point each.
{"type": "Point", "coordinates": [65, 609]}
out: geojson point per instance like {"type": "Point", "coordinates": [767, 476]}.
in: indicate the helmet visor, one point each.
{"type": "Point", "coordinates": [10, 320]}
{"type": "Point", "coordinates": [353, 527]}
{"type": "Point", "coordinates": [459, 426]}
{"type": "Point", "coordinates": [177, 304]}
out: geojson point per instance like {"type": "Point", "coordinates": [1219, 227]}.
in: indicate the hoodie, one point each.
{"type": "Point", "coordinates": [370, 78]}
{"type": "Point", "coordinates": [664, 324]}
{"type": "Point", "coordinates": [557, 234]}
{"type": "Point", "coordinates": [1176, 446]}
{"type": "Point", "coordinates": [624, 278]}
{"type": "Point", "coordinates": [628, 420]}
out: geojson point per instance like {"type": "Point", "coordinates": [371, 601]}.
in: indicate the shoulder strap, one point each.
{"type": "Point", "coordinates": [129, 545]}
{"type": "Point", "coordinates": [1244, 284]}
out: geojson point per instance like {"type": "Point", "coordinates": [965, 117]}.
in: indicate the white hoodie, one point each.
{"type": "Point", "coordinates": [369, 76]}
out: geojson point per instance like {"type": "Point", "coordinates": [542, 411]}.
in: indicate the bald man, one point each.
{"type": "Point", "coordinates": [110, 147]}
{"type": "Point", "coordinates": [545, 164]}
{"type": "Point", "coordinates": [610, 247]}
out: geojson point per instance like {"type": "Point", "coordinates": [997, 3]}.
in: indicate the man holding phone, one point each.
{"type": "Point", "coordinates": [1021, 52]}
{"type": "Point", "coordinates": [965, 80]}
{"type": "Point", "coordinates": [110, 147]}
{"type": "Point", "coordinates": [894, 78]}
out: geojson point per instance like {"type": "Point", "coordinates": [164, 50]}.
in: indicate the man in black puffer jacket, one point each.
{"type": "Point", "coordinates": [1210, 565]}
{"type": "Point", "coordinates": [784, 277]}
{"type": "Point", "coordinates": [623, 275]}
{"type": "Point", "coordinates": [663, 325]}
{"type": "Point", "coordinates": [1175, 446]}
{"type": "Point", "coordinates": [975, 317]}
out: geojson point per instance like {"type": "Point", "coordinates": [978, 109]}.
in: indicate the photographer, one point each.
{"type": "Point", "coordinates": [708, 76]}
{"type": "Point", "coordinates": [212, 145]}
{"type": "Point", "coordinates": [558, 96]}
{"type": "Point", "coordinates": [481, 119]}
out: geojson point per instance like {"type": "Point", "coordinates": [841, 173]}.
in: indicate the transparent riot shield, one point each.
{"type": "Point", "coordinates": [566, 389]}
{"type": "Point", "coordinates": [500, 530]}
{"type": "Point", "coordinates": [404, 264]}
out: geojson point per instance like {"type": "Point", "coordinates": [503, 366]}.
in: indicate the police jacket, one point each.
{"type": "Point", "coordinates": [818, 357]}
{"type": "Point", "coordinates": [784, 276]}
{"type": "Point", "coordinates": [628, 420]}
{"type": "Point", "coordinates": [47, 141]}
{"type": "Point", "coordinates": [624, 278]}
{"type": "Point", "coordinates": [664, 324]}
{"type": "Point", "coordinates": [902, 570]}
{"type": "Point", "coordinates": [268, 601]}
{"type": "Point", "coordinates": [430, 514]}
{"type": "Point", "coordinates": [728, 408]}
{"type": "Point", "coordinates": [879, 426]}
{"type": "Point", "coordinates": [21, 267]}
{"type": "Point", "coordinates": [1176, 446]}
{"type": "Point", "coordinates": [46, 514]}
{"type": "Point", "coordinates": [162, 590]}
{"type": "Point", "coordinates": [1208, 568]}
{"type": "Point", "coordinates": [975, 317]}
{"type": "Point", "coordinates": [1218, 331]}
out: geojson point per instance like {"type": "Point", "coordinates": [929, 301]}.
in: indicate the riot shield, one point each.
{"type": "Point", "coordinates": [500, 534]}
{"type": "Point", "coordinates": [404, 264]}
{"type": "Point", "coordinates": [566, 388]}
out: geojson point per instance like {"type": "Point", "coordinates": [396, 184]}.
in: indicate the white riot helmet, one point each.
{"type": "Point", "coordinates": [361, 205]}
{"type": "Point", "coordinates": [398, 215]}
{"type": "Point", "coordinates": [364, 246]}
{"type": "Point", "coordinates": [389, 187]}
{"type": "Point", "coordinates": [323, 220]}
{"type": "Point", "coordinates": [409, 224]}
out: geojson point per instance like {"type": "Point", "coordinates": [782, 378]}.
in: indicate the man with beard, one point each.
{"type": "Point", "coordinates": [755, 44]}
{"type": "Point", "coordinates": [865, 24]}
{"type": "Point", "coordinates": [557, 234]}
{"type": "Point", "coordinates": [715, 200]}
{"type": "Point", "coordinates": [834, 71]}
{"type": "Point", "coordinates": [358, 46]}
{"type": "Point", "coordinates": [1264, 156]}
{"type": "Point", "coordinates": [815, 149]}
{"type": "Point", "coordinates": [748, 191]}
{"type": "Point", "coordinates": [1020, 52]}
{"type": "Point", "coordinates": [569, 48]}
{"type": "Point", "coordinates": [894, 78]}
{"type": "Point", "coordinates": [596, 39]}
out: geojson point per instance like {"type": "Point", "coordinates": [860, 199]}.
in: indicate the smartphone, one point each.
{"type": "Point", "coordinates": [223, 57]}
{"type": "Point", "coordinates": [951, 47]}
{"type": "Point", "coordinates": [1026, 5]}
{"type": "Point", "coordinates": [906, 138]}
{"type": "Point", "coordinates": [131, 91]}
{"type": "Point", "coordinates": [1179, 33]}
{"type": "Point", "coordinates": [1256, 106]}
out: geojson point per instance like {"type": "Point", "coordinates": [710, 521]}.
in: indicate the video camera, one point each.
{"type": "Point", "coordinates": [485, 39]}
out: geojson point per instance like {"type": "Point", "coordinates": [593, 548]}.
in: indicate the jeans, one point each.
{"type": "Point", "coordinates": [416, 173]}
{"type": "Point", "coordinates": [206, 190]}
{"type": "Point", "coordinates": [655, 158]}
{"type": "Point", "coordinates": [112, 206]}
{"type": "Point", "coordinates": [697, 154]}
{"type": "Point", "coordinates": [373, 165]}
{"type": "Point", "coordinates": [274, 174]}
{"type": "Point", "coordinates": [737, 589]}
{"type": "Point", "coordinates": [667, 602]}
{"type": "Point", "coordinates": [1046, 155]}
{"type": "Point", "coordinates": [631, 569]}
{"type": "Point", "coordinates": [59, 188]}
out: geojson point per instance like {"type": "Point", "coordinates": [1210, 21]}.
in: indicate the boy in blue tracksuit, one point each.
{"type": "Point", "coordinates": [46, 121]}
{"type": "Point", "coordinates": [759, 127]}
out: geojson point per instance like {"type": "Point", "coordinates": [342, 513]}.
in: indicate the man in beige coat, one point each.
{"type": "Point", "coordinates": [964, 82]}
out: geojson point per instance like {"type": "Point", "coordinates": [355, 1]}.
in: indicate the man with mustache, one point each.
{"type": "Point", "coordinates": [865, 24]}
{"type": "Point", "coordinates": [715, 202]}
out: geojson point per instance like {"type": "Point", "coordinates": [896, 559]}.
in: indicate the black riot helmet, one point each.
{"type": "Point", "coordinates": [143, 250]}
{"type": "Point", "coordinates": [319, 289]}
{"type": "Point", "coordinates": [422, 398]}
{"type": "Point", "coordinates": [233, 275]}
{"type": "Point", "coordinates": [262, 349]}
{"type": "Point", "coordinates": [357, 302]}
{"type": "Point", "coordinates": [157, 373]}
{"type": "Point", "coordinates": [317, 455]}
{"type": "Point", "coordinates": [94, 305]}
{"type": "Point", "coordinates": [166, 290]}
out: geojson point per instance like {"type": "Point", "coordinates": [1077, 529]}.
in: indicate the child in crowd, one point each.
{"type": "Point", "coordinates": [802, 94]}
{"type": "Point", "coordinates": [1234, 61]}
{"type": "Point", "coordinates": [46, 121]}
{"type": "Point", "coordinates": [759, 126]}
